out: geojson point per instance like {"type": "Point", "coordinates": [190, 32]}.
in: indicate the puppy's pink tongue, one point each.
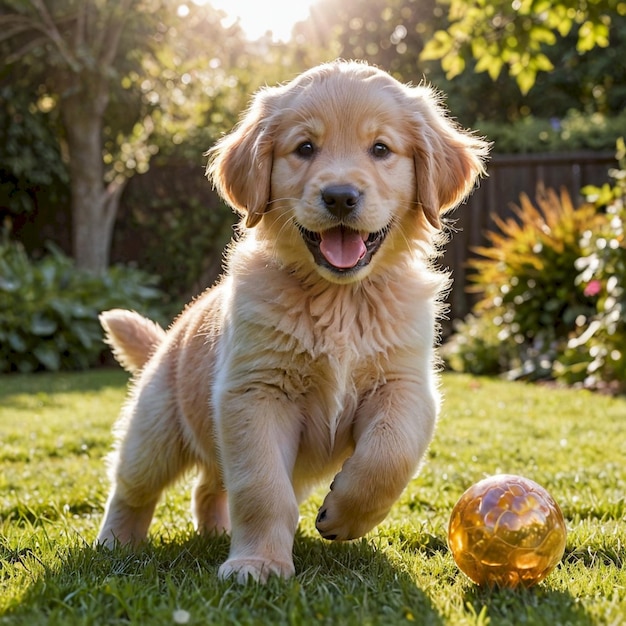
{"type": "Point", "coordinates": [342, 247]}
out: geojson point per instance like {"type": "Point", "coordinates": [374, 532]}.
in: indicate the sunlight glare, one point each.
{"type": "Point", "coordinates": [257, 18]}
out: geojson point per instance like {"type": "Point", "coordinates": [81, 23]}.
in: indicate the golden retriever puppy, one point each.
{"type": "Point", "coordinates": [313, 356]}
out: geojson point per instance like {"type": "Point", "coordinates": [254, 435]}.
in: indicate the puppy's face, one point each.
{"type": "Point", "coordinates": [345, 168]}
{"type": "Point", "coordinates": [342, 176]}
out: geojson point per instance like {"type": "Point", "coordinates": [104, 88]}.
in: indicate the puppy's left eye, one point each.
{"type": "Point", "coordinates": [306, 150]}
{"type": "Point", "coordinates": [380, 150]}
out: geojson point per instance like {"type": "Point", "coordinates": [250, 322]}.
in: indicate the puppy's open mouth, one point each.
{"type": "Point", "coordinates": [342, 249]}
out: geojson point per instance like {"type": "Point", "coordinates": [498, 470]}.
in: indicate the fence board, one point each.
{"type": "Point", "coordinates": [508, 177]}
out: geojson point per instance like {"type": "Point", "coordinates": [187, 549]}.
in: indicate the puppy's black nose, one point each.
{"type": "Point", "coordinates": [341, 200]}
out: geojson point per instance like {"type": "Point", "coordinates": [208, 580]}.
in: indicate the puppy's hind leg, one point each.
{"type": "Point", "coordinates": [150, 454]}
{"type": "Point", "coordinates": [210, 503]}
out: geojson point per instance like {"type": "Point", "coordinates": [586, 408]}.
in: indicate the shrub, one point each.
{"type": "Point", "coordinates": [531, 302]}
{"type": "Point", "coordinates": [575, 131]}
{"type": "Point", "coordinates": [49, 310]}
{"type": "Point", "coordinates": [476, 348]}
{"type": "Point", "coordinates": [598, 353]}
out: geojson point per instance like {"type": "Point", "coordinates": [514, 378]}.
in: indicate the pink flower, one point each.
{"type": "Point", "coordinates": [593, 288]}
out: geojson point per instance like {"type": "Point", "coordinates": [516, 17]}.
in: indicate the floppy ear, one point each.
{"type": "Point", "coordinates": [240, 164]}
{"type": "Point", "coordinates": [448, 159]}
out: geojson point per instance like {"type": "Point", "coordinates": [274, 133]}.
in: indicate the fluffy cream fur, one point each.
{"type": "Point", "coordinates": [291, 370]}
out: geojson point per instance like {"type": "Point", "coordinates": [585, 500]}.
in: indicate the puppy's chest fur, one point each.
{"type": "Point", "coordinates": [332, 345]}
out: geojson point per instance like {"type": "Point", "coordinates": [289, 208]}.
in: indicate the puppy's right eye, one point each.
{"type": "Point", "coordinates": [305, 150]}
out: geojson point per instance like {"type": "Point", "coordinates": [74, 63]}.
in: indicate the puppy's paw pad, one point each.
{"type": "Point", "coordinates": [259, 570]}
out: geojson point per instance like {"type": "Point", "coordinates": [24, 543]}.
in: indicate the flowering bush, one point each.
{"type": "Point", "coordinates": [530, 301]}
{"type": "Point", "coordinates": [601, 346]}
{"type": "Point", "coordinates": [552, 292]}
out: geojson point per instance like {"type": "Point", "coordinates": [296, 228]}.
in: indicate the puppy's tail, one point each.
{"type": "Point", "coordinates": [132, 337]}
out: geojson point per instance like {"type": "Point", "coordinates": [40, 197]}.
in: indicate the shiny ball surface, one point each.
{"type": "Point", "coordinates": [506, 531]}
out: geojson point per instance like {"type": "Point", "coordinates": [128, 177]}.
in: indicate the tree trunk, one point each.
{"type": "Point", "coordinates": [94, 205]}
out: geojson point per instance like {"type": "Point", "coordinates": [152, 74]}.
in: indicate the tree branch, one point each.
{"type": "Point", "coordinates": [113, 32]}
{"type": "Point", "coordinates": [16, 18]}
{"type": "Point", "coordinates": [114, 192]}
{"type": "Point", "coordinates": [16, 30]}
{"type": "Point", "coordinates": [18, 24]}
{"type": "Point", "coordinates": [79, 33]}
{"type": "Point", "coordinates": [99, 34]}
{"type": "Point", "coordinates": [52, 32]}
{"type": "Point", "coordinates": [25, 49]}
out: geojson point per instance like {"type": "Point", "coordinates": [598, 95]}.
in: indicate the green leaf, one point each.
{"type": "Point", "coordinates": [48, 356]}
{"type": "Point", "coordinates": [543, 35]}
{"type": "Point", "coordinates": [598, 195]}
{"type": "Point", "coordinates": [525, 79]}
{"type": "Point", "coordinates": [490, 64]}
{"type": "Point", "coordinates": [85, 335]}
{"type": "Point", "coordinates": [439, 45]}
{"type": "Point", "coordinates": [42, 326]}
{"type": "Point", "coordinates": [542, 63]}
{"type": "Point", "coordinates": [17, 342]}
{"type": "Point", "coordinates": [9, 283]}
{"type": "Point", "coordinates": [26, 365]}
{"type": "Point", "coordinates": [591, 35]}
{"type": "Point", "coordinates": [453, 65]}
{"type": "Point", "coordinates": [479, 47]}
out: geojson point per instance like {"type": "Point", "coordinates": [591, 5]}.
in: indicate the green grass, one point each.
{"type": "Point", "coordinates": [55, 431]}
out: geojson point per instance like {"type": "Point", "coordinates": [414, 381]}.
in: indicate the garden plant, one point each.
{"type": "Point", "coordinates": [49, 309]}
{"type": "Point", "coordinates": [550, 291]}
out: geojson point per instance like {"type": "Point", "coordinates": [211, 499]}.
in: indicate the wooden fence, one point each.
{"type": "Point", "coordinates": [508, 177]}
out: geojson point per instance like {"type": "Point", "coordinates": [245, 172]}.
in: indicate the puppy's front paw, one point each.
{"type": "Point", "coordinates": [342, 518]}
{"type": "Point", "coordinates": [256, 569]}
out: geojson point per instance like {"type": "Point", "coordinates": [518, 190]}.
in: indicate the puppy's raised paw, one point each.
{"type": "Point", "coordinates": [344, 518]}
{"type": "Point", "coordinates": [244, 570]}
{"type": "Point", "coordinates": [319, 524]}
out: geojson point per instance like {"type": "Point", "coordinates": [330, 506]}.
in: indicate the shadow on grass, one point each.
{"type": "Point", "coordinates": [348, 584]}
{"type": "Point", "coordinates": [344, 583]}
{"type": "Point", "coordinates": [378, 590]}
{"type": "Point", "coordinates": [539, 606]}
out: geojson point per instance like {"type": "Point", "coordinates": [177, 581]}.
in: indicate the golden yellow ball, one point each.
{"type": "Point", "coordinates": [507, 531]}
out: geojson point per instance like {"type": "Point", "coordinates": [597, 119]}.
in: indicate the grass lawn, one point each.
{"type": "Point", "coordinates": [55, 431]}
